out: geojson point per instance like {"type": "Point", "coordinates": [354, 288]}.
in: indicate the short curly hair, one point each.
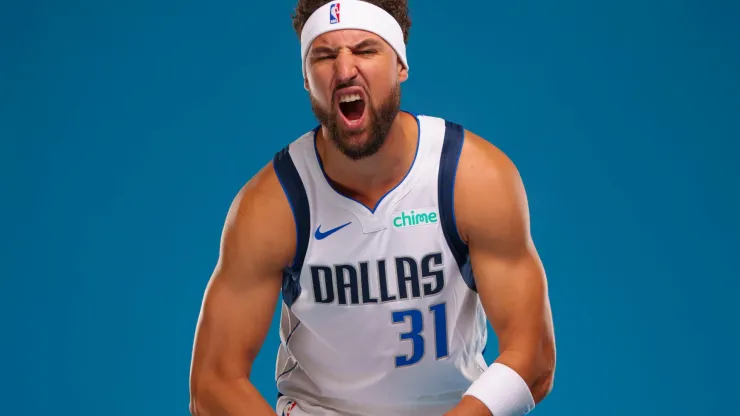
{"type": "Point", "coordinates": [399, 9]}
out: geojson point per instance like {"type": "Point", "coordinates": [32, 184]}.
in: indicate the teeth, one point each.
{"type": "Point", "coordinates": [349, 98]}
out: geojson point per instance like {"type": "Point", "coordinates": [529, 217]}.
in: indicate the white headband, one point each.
{"type": "Point", "coordinates": [352, 14]}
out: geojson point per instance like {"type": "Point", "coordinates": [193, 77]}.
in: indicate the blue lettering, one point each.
{"type": "Point", "coordinates": [365, 282]}
{"type": "Point", "coordinates": [344, 273]}
{"type": "Point", "coordinates": [405, 277]}
{"type": "Point", "coordinates": [323, 274]}
{"type": "Point", "coordinates": [426, 271]}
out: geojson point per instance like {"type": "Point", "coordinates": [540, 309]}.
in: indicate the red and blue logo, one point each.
{"type": "Point", "coordinates": [288, 407]}
{"type": "Point", "coordinates": [334, 13]}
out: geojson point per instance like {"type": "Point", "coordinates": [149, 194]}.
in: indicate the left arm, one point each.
{"type": "Point", "coordinates": [508, 272]}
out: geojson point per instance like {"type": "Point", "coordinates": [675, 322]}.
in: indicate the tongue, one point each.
{"type": "Point", "coordinates": [352, 110]}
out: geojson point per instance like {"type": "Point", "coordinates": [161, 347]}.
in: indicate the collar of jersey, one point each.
{"type": "Point", "coordinates": [389, 199]}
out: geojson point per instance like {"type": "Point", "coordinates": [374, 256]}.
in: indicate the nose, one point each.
{"type": "Point", "coordinates": [345, 67]}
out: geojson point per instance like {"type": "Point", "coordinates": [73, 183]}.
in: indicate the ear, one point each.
{"type": "Point", "coordinates": [305, 83]}
{"type": "Point", "coordinates": [403, 73]}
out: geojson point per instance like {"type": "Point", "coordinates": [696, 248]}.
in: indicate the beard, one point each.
{"type": "Point", "coordinates": [379, 124]}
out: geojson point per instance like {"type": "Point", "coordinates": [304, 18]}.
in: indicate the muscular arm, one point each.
{"type": "Point", "coordinates": [258, 241]}
{"type": "Point", "coordinates": [493, 218]}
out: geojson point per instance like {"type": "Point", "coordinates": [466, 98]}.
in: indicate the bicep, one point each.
{"type": "Point", "coordinates": [242, 294]}
{"type": "Point", "coordinates": [235, 316]}
{"type": "Point", "coordinates": [513, 291]}
{"type": "Point", "coordinates": [509, 275]}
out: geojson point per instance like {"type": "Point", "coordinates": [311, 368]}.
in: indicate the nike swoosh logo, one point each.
{"type": "Point", "coordinates": [322, 235]}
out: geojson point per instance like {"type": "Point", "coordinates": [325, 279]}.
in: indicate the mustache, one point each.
{"type": "Point", "coordinates": [350, 83]}
{"type": "Point", "coordinates": [347, 85]}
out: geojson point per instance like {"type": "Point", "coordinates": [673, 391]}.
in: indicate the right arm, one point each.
{"type": "Point", "coordinates": [258, 241]}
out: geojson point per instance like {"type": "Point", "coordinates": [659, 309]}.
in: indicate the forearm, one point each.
{"type": "Point", "coordinates": [535, 374]}
{"type": "Point", "coordinates": [536, 368]}
{"type": "Point", "coordinates": [526, 365]}
{"type": "Point", "coordinates": [232, 398]}
{"type": "Point", "coordinates": [470, 406]}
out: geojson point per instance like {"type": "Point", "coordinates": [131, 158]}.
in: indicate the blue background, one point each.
{"type": "Point", "coordinates": [127, 128]}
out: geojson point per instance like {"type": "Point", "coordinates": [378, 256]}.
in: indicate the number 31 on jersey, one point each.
{"type": "Point", "coordinates": [415, 317]}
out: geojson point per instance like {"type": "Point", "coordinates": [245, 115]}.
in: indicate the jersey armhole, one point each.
{"type": "Point", "coordinates": [290, 181]}
{"type": "Point", "coordinates": [449, 160]}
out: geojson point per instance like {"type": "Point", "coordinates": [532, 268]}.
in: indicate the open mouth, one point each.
{"type": "Point", "coordinates": [352, 107]}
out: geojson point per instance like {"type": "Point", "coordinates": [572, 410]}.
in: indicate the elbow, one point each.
{"type": "Point", "coordinates": [200, 396]}
{"type": "Point", "coordinates": [543, 385]}
{"type": "Point", "coordinates": [201, 402]}
{"type": "Point", "coordinates": [213, 395]}
{"type": "Point", "coordinates": [196, 409]}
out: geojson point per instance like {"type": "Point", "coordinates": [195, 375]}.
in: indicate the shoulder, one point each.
{"type": "Point", "coordinates": [483, 163]}
{"type": "Point", "coordinates": [273, 197]}
{"type": "Point", "coordinates": [262, 195]}
{"type": "Point", "coordinates": [259, 223]}
{"type": "Point", "coordinates": [489, 193]}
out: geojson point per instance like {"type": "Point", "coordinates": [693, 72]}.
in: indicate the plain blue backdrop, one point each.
{"type": "Point", "coordinates": [128, 127]}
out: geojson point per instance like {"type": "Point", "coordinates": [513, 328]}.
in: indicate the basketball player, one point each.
{"type": "Point", "coordinates": [391, 236]}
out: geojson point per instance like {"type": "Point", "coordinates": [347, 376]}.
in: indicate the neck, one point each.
{"type": "Point", "coordinates": [368, 179]}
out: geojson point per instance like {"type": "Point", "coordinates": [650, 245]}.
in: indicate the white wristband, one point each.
{"type": "Point", "coordinates": [503, 391]}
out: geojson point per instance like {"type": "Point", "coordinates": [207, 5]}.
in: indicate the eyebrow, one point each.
{"type": "Point", "coordinates": [366, 43]}
{"type": "Point", "coordinates": [320, 50]}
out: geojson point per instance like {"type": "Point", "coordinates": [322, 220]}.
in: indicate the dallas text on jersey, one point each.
{"type": "Point", "coordinates": [349, 284]}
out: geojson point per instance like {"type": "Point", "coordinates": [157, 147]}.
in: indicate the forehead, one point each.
{"type": "Point", "coordinates": [346, 37]}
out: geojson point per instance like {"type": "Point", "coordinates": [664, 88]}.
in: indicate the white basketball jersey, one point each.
{"type": "Point", "coordinates": [380, 314]}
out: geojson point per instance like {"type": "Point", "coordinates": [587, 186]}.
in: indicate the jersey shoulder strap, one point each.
{"type": "Point", "coordinates": [295, 191]}
{"type": "Point", "coordinates": [449, 160]}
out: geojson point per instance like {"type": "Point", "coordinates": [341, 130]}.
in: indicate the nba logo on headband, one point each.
{"type": "Point", "coordinates": [358, 15]}
{"type": "Point", "coordinates": [334, 13]}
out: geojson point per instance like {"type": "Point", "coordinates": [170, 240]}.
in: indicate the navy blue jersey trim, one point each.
{"type": "Point", "coordinates": [287, 371]}
{"type": "Point", "coordinates": [451, 150]}
{"type": "Point", "coordinates": [294, 190]}
{"type": "Point", "coordinates": [287, 341]}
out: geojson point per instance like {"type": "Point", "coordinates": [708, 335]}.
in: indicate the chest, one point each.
{"type": "Point", "coordinates": [395, 255]}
